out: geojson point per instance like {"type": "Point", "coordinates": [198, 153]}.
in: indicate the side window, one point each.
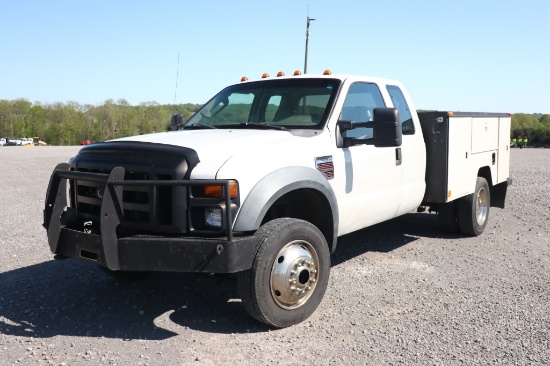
{"type": "Point", "coordinates": [360, 102]}
{"type": "Point", "coordinates": [400, 103]}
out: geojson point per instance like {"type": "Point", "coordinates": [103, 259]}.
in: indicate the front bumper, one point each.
{"type": "Point", "coordinates": [146, 253]}
{"type": "Point", "coordinates": [227, 254]}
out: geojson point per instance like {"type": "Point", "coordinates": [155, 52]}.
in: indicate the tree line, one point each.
{"type": "Point", "coordinates": [71, 123]}
{"type": "Point", "coordinates": [534, 127]}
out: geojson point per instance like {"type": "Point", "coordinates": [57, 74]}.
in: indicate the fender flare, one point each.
{"type": "Point", "coordinates": [276, 184]}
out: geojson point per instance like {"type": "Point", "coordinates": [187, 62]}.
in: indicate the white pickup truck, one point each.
{"type": "Point", "coordinates": [266, 176]}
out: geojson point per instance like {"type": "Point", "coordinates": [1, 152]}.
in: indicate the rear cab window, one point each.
{"type": "Point", "coordinates": [399, 102]}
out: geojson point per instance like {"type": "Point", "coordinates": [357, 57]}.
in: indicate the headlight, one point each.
{"type": "Point", "coordinates": [213, 217]}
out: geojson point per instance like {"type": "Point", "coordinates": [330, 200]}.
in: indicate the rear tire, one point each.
{"type": "Point", "coordinates": [473, 210]}
{"type": "Point", "coordinates": [289, 274]}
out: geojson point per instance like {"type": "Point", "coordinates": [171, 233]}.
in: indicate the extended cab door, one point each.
{"type": "Point", "coordinates": [370, 187]}
{"type": "Point", "coordinates": [413, 151]}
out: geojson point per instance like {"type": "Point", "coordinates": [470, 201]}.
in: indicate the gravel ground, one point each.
{"type": "Point", "coordinates": [400, 292]}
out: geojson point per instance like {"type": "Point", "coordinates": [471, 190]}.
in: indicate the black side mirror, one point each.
{"type": "Point", "coordinates": [386, 127]}
{"type": "Point", "coordinates": [177, 119]}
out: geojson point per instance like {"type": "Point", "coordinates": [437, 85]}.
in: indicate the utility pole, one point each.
{"type": "Point", "coordinates": [307, 42]}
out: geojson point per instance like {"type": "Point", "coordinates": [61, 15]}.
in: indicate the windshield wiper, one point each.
{"type": "Point", "coordinates": [260, 126]}
{"type": "Point", "coordinates": [198, 126]}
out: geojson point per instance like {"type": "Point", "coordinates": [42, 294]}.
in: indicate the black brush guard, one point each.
{"type": "Point", "coordinates": [139, 252]}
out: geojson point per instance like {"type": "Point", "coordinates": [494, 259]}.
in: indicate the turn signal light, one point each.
{"type": "Point", "coordinates": [216, 191]}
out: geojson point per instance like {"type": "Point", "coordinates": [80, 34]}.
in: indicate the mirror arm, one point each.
{"type": "Point", "coordinates": [350, 125]}
{"type": "Point", "coordinates": [352, 141]}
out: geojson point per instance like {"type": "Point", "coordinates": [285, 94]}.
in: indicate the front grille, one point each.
{"type": "Point", "coordinates": [146, 209]}
{"type": "Point", "coordinates": [146, 205]}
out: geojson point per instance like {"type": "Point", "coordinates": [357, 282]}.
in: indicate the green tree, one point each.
{"type": "Point", "coordinates": [545, 120]}
{"type": "Point", "coordinates": [70, 123]}
{"type": "Point", "coordinates": [522, 120]}
{"type": "Point", "coordinates": [35, 121]}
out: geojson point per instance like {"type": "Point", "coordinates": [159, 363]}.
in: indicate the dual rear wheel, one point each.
{"type": "Point", "coordinates": [469, 214]}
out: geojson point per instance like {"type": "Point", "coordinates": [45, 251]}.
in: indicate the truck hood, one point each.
{"type": "Point", "coordinates": [215, 147]}
{"type": "Point", "coordinates": [206, 141]}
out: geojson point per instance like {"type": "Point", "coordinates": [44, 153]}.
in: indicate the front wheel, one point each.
{"type": "Point", "coordinates": [289, 274]}
{"type": "Point", "coordinates": [473, 210]}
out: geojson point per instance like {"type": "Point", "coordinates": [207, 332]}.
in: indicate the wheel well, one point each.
{"type": "Point", "coordinates": [485, 172]}
{"type": "Point", "coordinates": [305, 204]}
{"type": "Point", "coordinates": [497, 196]}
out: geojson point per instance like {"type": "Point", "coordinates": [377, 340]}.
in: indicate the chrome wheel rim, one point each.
{"type": "Point", "coordinates": [294, 274]}
{"type": "Point", "coordinates": [482, 206]}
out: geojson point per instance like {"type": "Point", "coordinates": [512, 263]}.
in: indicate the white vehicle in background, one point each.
{"type": "Point", "coordinates": [26, 141]}
{"type": "Point", "coordinates": [6, 141]}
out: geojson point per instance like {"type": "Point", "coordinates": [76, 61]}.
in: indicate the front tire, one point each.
{"type": "Point", "coordinates": [473, 210]}
{"type": "Point", "coordinates": [289, 274]}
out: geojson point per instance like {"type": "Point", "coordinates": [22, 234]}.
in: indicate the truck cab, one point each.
{"type": "Point", "coordinates": [389, 180]}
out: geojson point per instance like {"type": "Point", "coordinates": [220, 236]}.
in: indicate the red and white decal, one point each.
{"type": "Point", "coordinates": [325, 165]}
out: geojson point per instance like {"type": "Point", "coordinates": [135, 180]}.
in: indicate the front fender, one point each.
{"type": "Point", "coordinates": [276, 184]}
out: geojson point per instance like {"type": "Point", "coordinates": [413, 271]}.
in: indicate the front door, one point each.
{"type": "Point", "coordinates": [370, 188]}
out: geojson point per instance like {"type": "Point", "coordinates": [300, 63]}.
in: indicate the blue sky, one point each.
{"type": "Point", "coordinates": [484, 55]}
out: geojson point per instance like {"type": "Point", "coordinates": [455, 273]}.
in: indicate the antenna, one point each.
{"type": "Point", "coordinates": [307, 38]}
{"type": "Point", "coordinates": [177, 76]}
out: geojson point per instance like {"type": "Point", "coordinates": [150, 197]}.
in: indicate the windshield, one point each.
{"type": "Point", "coordinates": [278, 104]}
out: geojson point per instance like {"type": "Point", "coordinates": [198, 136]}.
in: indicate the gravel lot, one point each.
{"type": "Point", "coordinates": [401, 292]}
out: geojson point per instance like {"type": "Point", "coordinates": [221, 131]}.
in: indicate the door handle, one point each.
{"type": "Point", "coordinates": [398, 158]}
